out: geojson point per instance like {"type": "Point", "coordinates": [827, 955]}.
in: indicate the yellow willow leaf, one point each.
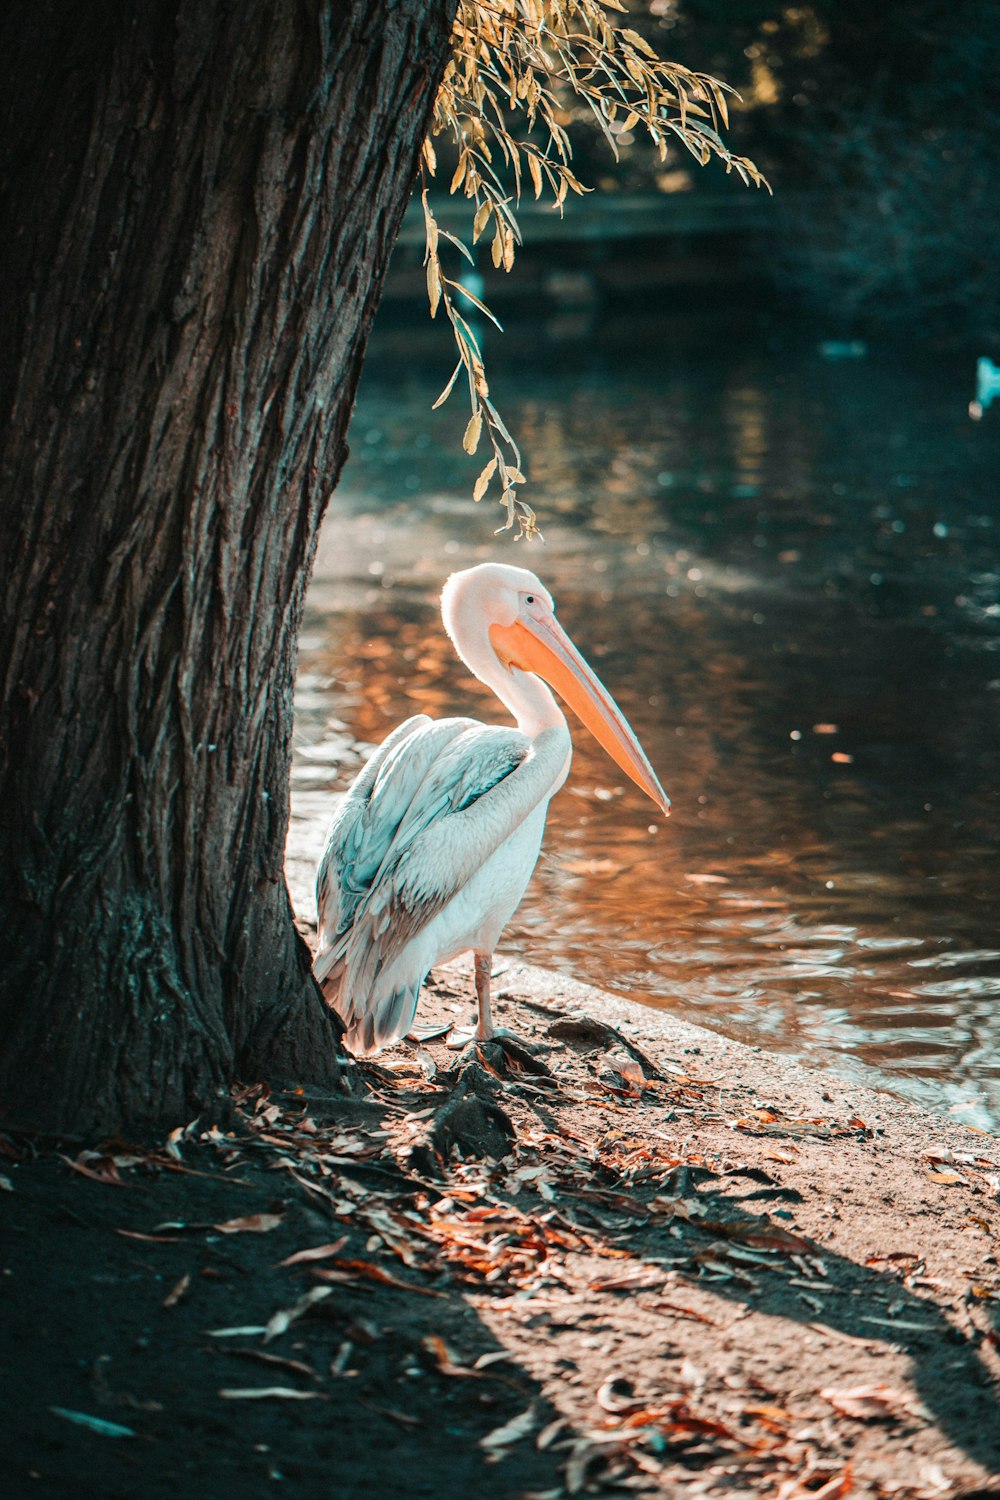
{"type": "Point", "coordinates": [536, 175]}
{"type": "Point", "coordinates": [632, 121]}
{"type": "Point", "coordinates": [497, 248]}
{"type": "Point", "coordinates": [481, 220]}
{"type": "Point", "coordinates": [461, 287]}
{"type": "Point", "coordinates": [448, 388]}
{"type": "Point", "coordinates": [514, 476]}
{"type": "Point", "coordinates": [429, 156]}
{"type": "Point", "coordinates": [508, 250]}
{"type": "Point", "coordinates": [460, 171]}
{"type": "Point", "coordinates": [638, 41]}
{"type": "Point", "coordinates": [430, 226]}
{"type": "Point", "coordinates": [471, 440]}
{"type": "Point", "coordinates": [482, 483]}
{"type": "Point", "coordinates": [433, 284]}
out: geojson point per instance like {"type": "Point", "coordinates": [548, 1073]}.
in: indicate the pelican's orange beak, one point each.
{"type": "Point", "coordinates": [543, 647]}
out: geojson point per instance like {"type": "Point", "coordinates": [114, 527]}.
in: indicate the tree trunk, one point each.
{"type": "Point", "coordinates": [199, 198]}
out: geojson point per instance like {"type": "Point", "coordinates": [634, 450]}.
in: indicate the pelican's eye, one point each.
{"type": "Point", "coordinates": [529, 598]}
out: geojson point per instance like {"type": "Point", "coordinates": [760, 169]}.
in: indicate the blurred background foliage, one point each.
{"type": "Point", "coordinates": [878, 126]}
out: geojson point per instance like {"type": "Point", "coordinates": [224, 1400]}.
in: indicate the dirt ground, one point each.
{"type": "Point", "coordinates": [631, 1257]}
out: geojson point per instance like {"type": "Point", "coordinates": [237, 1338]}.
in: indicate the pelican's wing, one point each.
{"type": "Point", "coordinates": [356, 844]}
{"type": "Point", "coordinates": [409, 778]}
{"type": "Point", "coordinates": [416, 814]}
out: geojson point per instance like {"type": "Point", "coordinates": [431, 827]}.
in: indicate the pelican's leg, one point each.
{"type": "Point", "coordinates": [464, 1036]}
{"type": "Point", "coordinates": [484, 972]}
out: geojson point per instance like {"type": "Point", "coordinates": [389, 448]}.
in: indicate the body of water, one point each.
{"type": "Point", "coordinates": [785, 567]}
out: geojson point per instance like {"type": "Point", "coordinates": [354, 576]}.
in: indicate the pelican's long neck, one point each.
{"type": "Point", "coordinates": [526, 696]}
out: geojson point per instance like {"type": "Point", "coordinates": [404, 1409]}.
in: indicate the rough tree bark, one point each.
{"type": "Point", "coordinates": [199, 198]}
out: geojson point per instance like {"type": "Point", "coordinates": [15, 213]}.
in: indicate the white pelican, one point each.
{"type": "Point", "coordinates": [432, 848]}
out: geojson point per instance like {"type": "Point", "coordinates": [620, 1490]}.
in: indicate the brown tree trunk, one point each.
{"type": "Point", "coordinates": [199, 198]}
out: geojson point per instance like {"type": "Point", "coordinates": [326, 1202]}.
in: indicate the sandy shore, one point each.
{"type": "Point", "coordinates": [876, 1338]}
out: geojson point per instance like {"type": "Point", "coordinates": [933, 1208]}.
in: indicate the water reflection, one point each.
{"type": "Point", "coordinates": [785, 572]}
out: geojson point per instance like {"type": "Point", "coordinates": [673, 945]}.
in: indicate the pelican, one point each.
{"type": "Point", "coordinates": [431, 849]}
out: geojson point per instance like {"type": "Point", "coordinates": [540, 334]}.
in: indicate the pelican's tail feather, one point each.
{"type": "Point", "coordinates": [324, 963]}
{"type": "Point", "coordinates": [387, 1021]}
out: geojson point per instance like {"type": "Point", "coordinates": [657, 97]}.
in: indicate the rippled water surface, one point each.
{"type": "Point", "coordinates": [786, 569]}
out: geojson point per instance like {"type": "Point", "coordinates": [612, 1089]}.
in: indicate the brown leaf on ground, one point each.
{"type": "Point", "coordinates": [629, 1281]}
{"type": "Point", "coordinates": [760, 1234]}
{"type": "Point", "coordinates": [275, 1361]}
{"type": "Point", "coordinates": [355, 1270]}
{"type": "Point", "coordinates": [318, 1252]}
{"type": "Point", "coordinates": [250, 1224]}
{"type": "Point", "coordinates": [625, 1076]}
{"type": "Point", "coordinates": [102, 1170]}
{"type": "Point", "coordinates": [837, 1487]}
{"type": "Point", "coordinates": [764, 1122]}
{"type": "Point", "coordinates": [445, 1362]}
{"type": "Point", "coordinates": [872, 1403]}
{"type": "Point", "coordinates": [177, 1291]}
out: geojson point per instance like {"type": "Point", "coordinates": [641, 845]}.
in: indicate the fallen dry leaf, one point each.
{"type": "Point", "coordinates": [583, 1455]}
{"type": "Point", "coordinates": [318, 1252]}
{"type": "Point", "coordinates": [510, 1432]}
{"type": "Point", "coordinates": [275, 1361]}
{"type": "Point", "coordinates": [250, 1224]}
{"type": "Point", "coordinates": [283, 1319]}
{"type": "Point", "coordinates": [177, 1291]}
{"type": "Point", "coordinates": [245, 1331]}
{"type": "Point", "coordinates": [104, 1172]}
{"type": "Point", "coordinates": [355, 1270]}
{"type": "Point", "coordinates": [493, 1357]}
{"type": "Point", "coordinates": [445, 1361]}
{"type": "Point", "coordinates": [404, 1418]}
{"type": "Point", "coordinates": [801, 1488]}
{"type": "Point", "coordinates": [271, 1393]}
{"type": "Point", "coordinates": [618, 1395]}
{"type": "Point", "coordinates": [93, 1424]}
{"type": "Point", "coordinates": [549, 1433]}
{"type": "Point", "coordinates": [871, 1403]}
{"type": "Point", "coordinates": [630, 1281]}
{"type": "Point", "coordinates": [760, 1234]}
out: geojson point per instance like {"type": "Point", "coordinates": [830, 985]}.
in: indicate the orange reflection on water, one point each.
{"type": "Point", "coordinates": [830, 894]}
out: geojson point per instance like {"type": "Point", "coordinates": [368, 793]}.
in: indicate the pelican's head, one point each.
{"type": "Point", "coordinates": [502, 618]}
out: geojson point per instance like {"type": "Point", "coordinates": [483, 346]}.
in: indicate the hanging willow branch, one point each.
{"type": "Point", "coordinates": [502, 102]}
